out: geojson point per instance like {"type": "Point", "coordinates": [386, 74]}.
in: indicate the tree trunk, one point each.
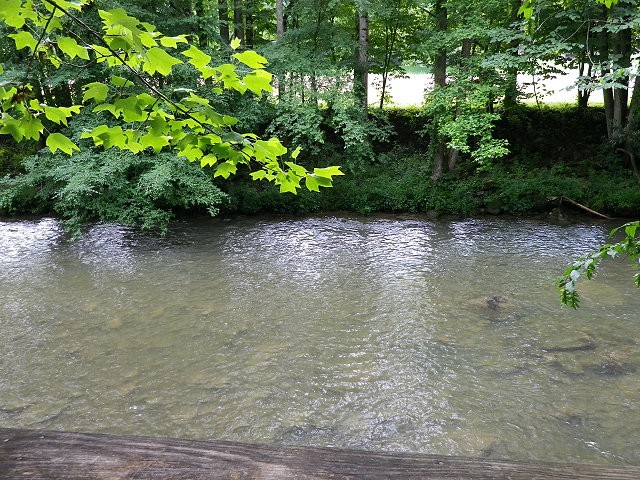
{"type": "Point", "coordinates": [361, 72]}
{"type": "Point", "coordinates": [438, 160]}
{"type": "Point", "coordinates": [632, 127]}
{"type": "Point", "coordinates": [200, 11]}
{"type": "Point", "coordinates": [607, 95]}
{"type": "Point", "coordinates": [391, 34]}
{"type": "Point", "coordinates": [280, 37]}
{"type": "Point", "coordinates": [248, 17]}
{"type": "Point", "coordinates": [454, 154]}
{"type": "Point", "coordinates": [223, 20]}
{"type": "Point", "coordinates": [511, 87]}
{"type": "Point", "coordinates": [440, 81]}
{"type": "Point", "coordinates": [622, 52]}
{"type": "Point", "coordinates": [583, 95]}
{"type": "Point", "coordinates": [279, 20]}
{"type": "Point", "coordinates": [238, 21]}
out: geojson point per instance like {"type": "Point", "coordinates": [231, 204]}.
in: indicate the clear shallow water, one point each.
{"type": "Point", "coordinates": [370, 333]}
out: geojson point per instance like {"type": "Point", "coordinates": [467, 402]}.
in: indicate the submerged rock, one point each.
{"type": "Point", "coordinates": [572, 418]}
{"type": "Point", "coordinates": [614, 364]}
{"type": "Point", "coordinates": [494, 302]}
{"type": "Point", "coordinates": [583, 343]}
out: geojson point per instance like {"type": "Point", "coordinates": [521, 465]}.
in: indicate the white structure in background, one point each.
{"type": "Point", "coordinates": [410, 89]}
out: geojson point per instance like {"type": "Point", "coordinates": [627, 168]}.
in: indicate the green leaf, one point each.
{"type": "Point", "coordinates": [208, 160]}
{"type": "Point", "coordinates": [259, 175]}
{"type": "Point", "coordinates": [172, 42]}
{"type": "Point", "coordinates": [24, 39]}
{"type": "Point", "coordinates": [11, 126]}
{"type": "Point", "coordinates": [32, 127]}
{"type": "Point", "coordinates": [59, 115]}
{"type": "Point", "coordinates": [234, 44]}
{"type": "Point", "coordinates": [159, 61]}
{"type": "Point", "coordinates": [299, 170]}
{"type": "Point", "coordinates": [327, 172]}
{"type": "Point", "coordinates": [288, 183]}
{"type": "Point", "coordinates": [157, 142]}
{"type": "Point", "coordinates": [199, 59]}
{"type": "Point", "coordinates": [225, 169]}
{"type": "Point", "coordinates": [113, 137]}
{"type": "Point", "coordinates": [313, 182]}
{"type": "Point", "coordinates": [10, 13]}
{"type": "Point", "coordinates": [191, 152]}
{"type": "Point", "coordinates": [251, 59]}
{"type": "Point", "coordinates": [95, 91]}
{"type": "Point", "coordinates": [71, 48]}
{"type": "Point", "coordinates": [57, 141]}
{"type": "Point", "coordinates": [121, 82]}
{"type": "Point", "coordinates": [258, 81]}
{"type": "Point", "coordinates": [130, 109]}
{"type": "Point", "coordinates": [296, 152]}
{"type": "Point", "coordinates": [148, 39]}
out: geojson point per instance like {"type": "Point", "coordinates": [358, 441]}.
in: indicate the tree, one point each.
{"type": "Point", "coordinates": [597, 38]}
{"type": "Point", "coordinates": [138, 112]}
{"type": "Point", "coordinates": [465, 85]}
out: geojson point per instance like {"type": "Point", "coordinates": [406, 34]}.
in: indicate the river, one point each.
{"type": "Point", "coordinates": [379, 333]}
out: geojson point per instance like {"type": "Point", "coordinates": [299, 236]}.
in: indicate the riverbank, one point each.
{"type": "Point", "coordinates": [555, 152]}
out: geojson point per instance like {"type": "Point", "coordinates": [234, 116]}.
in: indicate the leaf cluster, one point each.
{"type": "Point", "coordinates": [587, 265]}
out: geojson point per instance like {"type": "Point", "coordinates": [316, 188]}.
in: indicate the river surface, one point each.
{"type": "Point", "coordinates": [369, 333]}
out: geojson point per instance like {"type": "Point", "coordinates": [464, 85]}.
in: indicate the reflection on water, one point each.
{"type": "Point", "coordinates": [376, 333]}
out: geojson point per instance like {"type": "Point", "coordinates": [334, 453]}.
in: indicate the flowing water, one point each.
{"type": "Point", "coordinates": [377, 333]}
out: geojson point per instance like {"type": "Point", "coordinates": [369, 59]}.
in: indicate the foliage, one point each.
{"type": "Point", "coordinates": [138, 112]}
{"type": "Point", "coordinates": [587, 266]}
{"type": "Point", "coordinates": [143, 190]}
{"type": "Point", "coordinates": [460, 117]}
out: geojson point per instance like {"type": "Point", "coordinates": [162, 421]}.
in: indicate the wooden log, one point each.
{"type": "Point", "coordinates": [59, 455]}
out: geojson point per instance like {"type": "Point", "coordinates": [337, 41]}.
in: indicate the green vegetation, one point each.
{"type": "Point", "coordinates": [550, 158]}
{"type": "Point", "coordinates": [586, 266]}
{"type": "Point", "coordinates": [133, 111]}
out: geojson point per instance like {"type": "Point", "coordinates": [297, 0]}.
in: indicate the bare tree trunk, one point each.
{"type": "Point", "coordinates": [238, 20]}
{"type": "Point", "coordinates": [249, 31]}
{"type": "Point", "coordinates": [361, 73]}
{"type": "Point", "coordinates": [438, 160]}
{"type": "Point", "coordinates": [583, 95]}
{"type": "Point", "coordinates": [634, 105]}
{"type": "Point", "coordinates": [223, 20]}
{"type": "Point", "coordinates": [511, 89]}
{"type": "Point", "coordinates": [454, 154]}
{"type": "Point", "coordinates": [279, 20]}
{"type": "Point", "coordinates": [622, 51]}
{"type": "Point", "coordinates": [607, 95]}
{"type": "Point", "coordinates": [440, 81]}
{"type": "Point", "coordinates": [391, 34]}
{"type": "Point", "coordinates": [280, 37]}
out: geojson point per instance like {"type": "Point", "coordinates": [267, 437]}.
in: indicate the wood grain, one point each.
{"type": "Point", "coordinates": [60, 455]}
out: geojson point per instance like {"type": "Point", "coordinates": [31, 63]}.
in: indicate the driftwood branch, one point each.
{"type": "Point", "coordinates": [74, 456]}
{"type": "Point", "coordinates": [580, 206]}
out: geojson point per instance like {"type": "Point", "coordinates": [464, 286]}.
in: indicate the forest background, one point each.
{"type": "Point", "coordinates": [473, 146]}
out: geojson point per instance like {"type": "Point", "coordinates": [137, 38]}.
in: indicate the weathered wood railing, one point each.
{"type": "Point", "coordinates": [57, 455]}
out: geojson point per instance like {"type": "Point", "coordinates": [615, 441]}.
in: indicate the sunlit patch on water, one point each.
{"type": "Point", "coordinates": [376, 333]}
